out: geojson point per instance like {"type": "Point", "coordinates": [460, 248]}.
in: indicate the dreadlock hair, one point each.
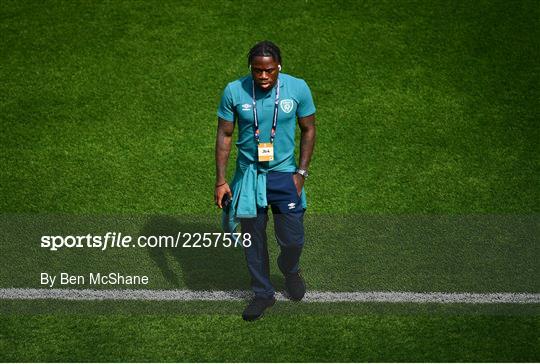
{"type": "Point", "coordinates": [264, 49]}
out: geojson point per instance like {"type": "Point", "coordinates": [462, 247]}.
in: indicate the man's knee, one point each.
{"type": "Point", "coordinates": [289, 229]}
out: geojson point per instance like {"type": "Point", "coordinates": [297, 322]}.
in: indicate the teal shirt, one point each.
{"type": "Point", "coordinates": [249, 183]}
{"type": "Point", "coordinates": [295, 100]}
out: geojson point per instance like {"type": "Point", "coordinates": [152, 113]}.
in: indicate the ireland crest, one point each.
{"type": "Point", "coordinates": [286, 105]}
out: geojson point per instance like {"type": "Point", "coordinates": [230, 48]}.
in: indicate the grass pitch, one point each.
{"type": "Point", "coordinates": [426, 109]}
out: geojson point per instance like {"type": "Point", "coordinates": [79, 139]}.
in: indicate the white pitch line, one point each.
{"type": "Point", "coordinates": [311, 296]}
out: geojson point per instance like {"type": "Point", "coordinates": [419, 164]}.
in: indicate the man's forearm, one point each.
{"type": "Point", "coordinates": [223, 149]}
{"type": "Point", "coordinates": [307, 143]}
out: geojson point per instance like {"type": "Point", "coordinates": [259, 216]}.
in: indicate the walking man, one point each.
{"type": "Point", "coordinates": [266, 105]}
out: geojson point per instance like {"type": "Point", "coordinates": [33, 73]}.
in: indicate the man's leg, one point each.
{"type": "Point", "coordinates": [289, 229]}
{"type": "Point", "coordinates": [257, 254]}
{"type": "Point", "coordinates": [258, 266]}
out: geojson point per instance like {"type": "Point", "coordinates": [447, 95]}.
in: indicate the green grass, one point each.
{"type": "Point", "coordinates": [206, 338]}
{"type": "Point", "coordinates": [424, 108]}
{"type": "Point", "coordinates": [425, 174]}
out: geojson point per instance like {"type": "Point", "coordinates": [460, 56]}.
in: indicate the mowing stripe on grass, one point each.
{"type": "Point", "coordinates": [312, 296]}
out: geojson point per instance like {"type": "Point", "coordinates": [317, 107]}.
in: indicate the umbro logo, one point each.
{"type": "Point", "coordinates": [292, 205]}
{"type": "Point", "coordinates": [246, 107]}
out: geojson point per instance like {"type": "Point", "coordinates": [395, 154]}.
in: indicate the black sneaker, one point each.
{"type": "Point", "coordinates": [256, 308]}
{"type": "Point", "coordinates": [295, 286]}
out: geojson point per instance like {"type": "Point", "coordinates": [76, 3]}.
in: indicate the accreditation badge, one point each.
{"type": "Point", "coordinates": [266, 152]}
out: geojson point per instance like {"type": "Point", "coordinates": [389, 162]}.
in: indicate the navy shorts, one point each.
{"type": "Point", "coordinates": [281, 193]}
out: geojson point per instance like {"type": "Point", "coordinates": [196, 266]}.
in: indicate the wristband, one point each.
{"type": "Point", "coordinates": [224, 183]}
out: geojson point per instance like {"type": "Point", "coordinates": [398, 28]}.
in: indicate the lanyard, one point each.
{"type": "Point", "coordinates": [256, 119]}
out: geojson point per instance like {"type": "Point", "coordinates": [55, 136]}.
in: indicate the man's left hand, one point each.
{"type": "Point", "coordinates": [298, 182]}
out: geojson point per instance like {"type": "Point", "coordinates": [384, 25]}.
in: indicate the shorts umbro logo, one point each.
{"type": "Point", "coordinates": [292, 205]}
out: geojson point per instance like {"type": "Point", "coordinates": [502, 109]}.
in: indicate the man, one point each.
{"type": "Point", "coordinates": [266, 105]}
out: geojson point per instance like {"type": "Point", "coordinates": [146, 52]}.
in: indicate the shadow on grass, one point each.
{"type": "Point", "coordinates": [212, 268]}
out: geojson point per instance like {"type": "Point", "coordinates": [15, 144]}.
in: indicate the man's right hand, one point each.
{"type": "Point", "coordinates": [220, 192]}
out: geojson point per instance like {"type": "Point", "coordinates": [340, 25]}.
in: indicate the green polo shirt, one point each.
{"type": "Point", "coordinates": [295, 100]}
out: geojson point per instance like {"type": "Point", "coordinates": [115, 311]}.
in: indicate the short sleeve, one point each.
{"type": "Point", "coordinates": [226, 105]}
{"type": "Point", "coordinates": [306, 106]}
